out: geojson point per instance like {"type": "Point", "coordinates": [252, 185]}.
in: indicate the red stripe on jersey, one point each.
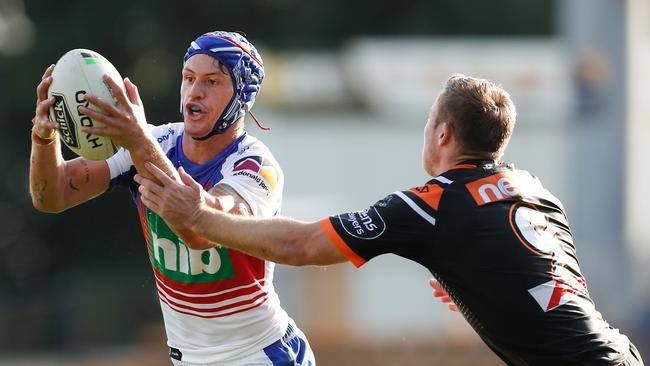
{"type": "Point", "coordinates": [217, 307]}
{"type": "Point", "coordinates": [494, 188]}
{"type": "Point", "coordinates": [144, 223]}
{"type": "Point", "coordinates": [216, 297]}
{"type": "Point", "coordinates": [334, 237]}
{"type": "Point", "coordinates": [213, 316]}
{"type": "Point", "coordinates": [430, 194]}
{"type": "Point", "coordinates": [558, 292]}
{"type": "Point", "coordinates": [243, 276]}
{"type": "Point", "coordinates": [247, 270]}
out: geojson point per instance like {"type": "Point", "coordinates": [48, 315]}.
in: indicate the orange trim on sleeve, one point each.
{"type": "Point", "coordinates": [336, 239]}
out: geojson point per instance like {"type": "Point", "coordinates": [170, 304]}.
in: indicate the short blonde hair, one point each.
{"type": "Point", "coordinates": [481, 113]}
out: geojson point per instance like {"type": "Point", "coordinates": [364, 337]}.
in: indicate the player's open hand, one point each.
{"type": "Point", "coordinates": [44, 127]}
{"type": "Point", "coordinates": [124, 122]}
{"type": "Point", "coordinates": [440, 292]}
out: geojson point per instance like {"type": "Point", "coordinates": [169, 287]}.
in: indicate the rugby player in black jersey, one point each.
{"type": "Point", "coordinates": [490, 235]}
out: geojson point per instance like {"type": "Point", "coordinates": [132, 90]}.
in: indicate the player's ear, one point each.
{"type": "Point", "coordinates": [445, 133]}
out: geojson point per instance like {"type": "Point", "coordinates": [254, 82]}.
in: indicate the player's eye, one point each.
{"type": "Point", "coordinates": [189, 78]}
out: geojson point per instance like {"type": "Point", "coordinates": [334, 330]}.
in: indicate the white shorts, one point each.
{"type": "Point", "coordinates": [291, 350]}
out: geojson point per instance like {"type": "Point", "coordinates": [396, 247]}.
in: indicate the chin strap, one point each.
{"type": "Point", "coordinates": [262, 127]}
{"type": "Point", "coordinates": [212, 133]}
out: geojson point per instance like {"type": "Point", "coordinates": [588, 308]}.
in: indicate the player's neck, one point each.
{"type": "Point", "coordinates": [200, 152]}
{"type": "Point", "coordinates": [449, 160]}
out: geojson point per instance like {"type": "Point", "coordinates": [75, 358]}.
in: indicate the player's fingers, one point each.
{"type": "Point", "coordinates": [435, 285]}
{"type": "Point", "coordinates": [100, 131]}
{"type": "Point", "coordinates": [188, 180]}
{"type": "Point", "coordinates": [118, 92]}
{"type": "Point", "coordinates": [151, 191]}
{"type": "Point", "coordinates": [158, 173]}
{"type": "Point", "coordinates": [215, 203]}
{"type": "Point", "coordinates": [132, 92]}
{"type": "Point", "coordinates": [48, 71]}
{"type": "Point", "coordinates": [453, 307]}
{"type": "Point", "coordinates": [151, 204]}
{"type": "Point", "coordinates": [41, 89]}
{"type": "Point", "coordinates": [43, 107]}
{"type": "Point", "coordinates": [107, 120]}
{"type": "Point", "coordinates": [239, 209]}
{"type": "Point", "coordinates": [146, 182]}
{"type": "Point", "coordinates": [106, 107]}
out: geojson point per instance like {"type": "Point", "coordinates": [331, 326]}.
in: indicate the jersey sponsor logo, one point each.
{"type": "Point", "coordinates": [243, 150]}
{"type": "Point", "coordinates": [166, 136]}
{"type": "Point", "coordinates": [430, 194]}
{"type": "Point", "coordinates": [175, 353]}
{"type": "Point", "coordinates": [252, 163]}
{"type": "Point", "coordinates": [366, 224]}
{"type": "Point", "coordinates": [176, 261]}
{"type": "Point", "coordinates": [552, 294]}
{"type": "Point", "coordinates": [385, 202]}
{"type": "Point", "coordinates": [255, 168]}
{"type": "Point", "coordinates": [538, 234]}
{"type": "Point", "coordinates": [494, 188]}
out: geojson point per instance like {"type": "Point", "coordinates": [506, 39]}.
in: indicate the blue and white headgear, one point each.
{"type": "Point", "coordinates": [246, 72]}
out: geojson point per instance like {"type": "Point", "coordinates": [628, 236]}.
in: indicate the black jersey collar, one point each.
{"type": "Point", "coordinates": [475, 163]}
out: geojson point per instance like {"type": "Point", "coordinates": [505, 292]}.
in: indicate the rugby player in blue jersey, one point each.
{"type": "Point", "coordinates": [219, 304]}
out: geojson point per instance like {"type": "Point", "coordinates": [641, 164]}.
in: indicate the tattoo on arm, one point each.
{"type": "Point", "coordinates": [71, 181]}
{"type": "Point", "coordinates": [71, 184]}
{"type": "Point", "coordinates": [39, 190]}
{"type": "Point", "coordinates": [86, 170]}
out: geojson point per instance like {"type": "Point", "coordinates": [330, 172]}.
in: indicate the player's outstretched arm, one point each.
{"type": "Point", "coordinates": [221, 197]}
{"type": "Point", "coordinates": [55, 184]}
{"type": "Point", "coordinates": [279, 239]}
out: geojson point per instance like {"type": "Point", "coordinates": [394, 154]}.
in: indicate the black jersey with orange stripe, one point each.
{"type": "Point", "coordinates": [501, 246]}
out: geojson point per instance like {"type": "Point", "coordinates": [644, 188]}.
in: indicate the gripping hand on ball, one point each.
{"type": "Point", "coordinates": [125, 122]}
{"type": "Point", "coordinates": [44, 127]}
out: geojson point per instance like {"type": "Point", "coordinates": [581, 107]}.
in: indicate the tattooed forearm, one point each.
{"type": "Point", "coordinates": [86, 170]}
{"type": "Point", "coordinates": [39, 190]}
{"type": "Point", "coordinates": [71, 184]}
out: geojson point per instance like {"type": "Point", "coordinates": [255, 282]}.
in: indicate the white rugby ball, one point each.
{"type": "Point", "coordinates": [77, 73]}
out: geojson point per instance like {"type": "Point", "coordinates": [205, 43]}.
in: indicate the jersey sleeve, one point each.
{"type": "Point", "coordinates": [121, 168]}
{"type": "Point", "coordinates": [121, 165]}
{"type": "Point", "coordinates": [402, 223]}
{"type": "Point", "coordinates": [258, 179]}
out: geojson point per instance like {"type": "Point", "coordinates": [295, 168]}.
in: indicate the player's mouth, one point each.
{"type": "Point", "coordinates": [194, 110]}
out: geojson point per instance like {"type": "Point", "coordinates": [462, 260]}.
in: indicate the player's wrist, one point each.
{"type": "Point", "coordinates": [38, 139]}
{"type": "Point", "coordinates": [197, 219]}
{"type": "Point", "coordinates": [140, 145]}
